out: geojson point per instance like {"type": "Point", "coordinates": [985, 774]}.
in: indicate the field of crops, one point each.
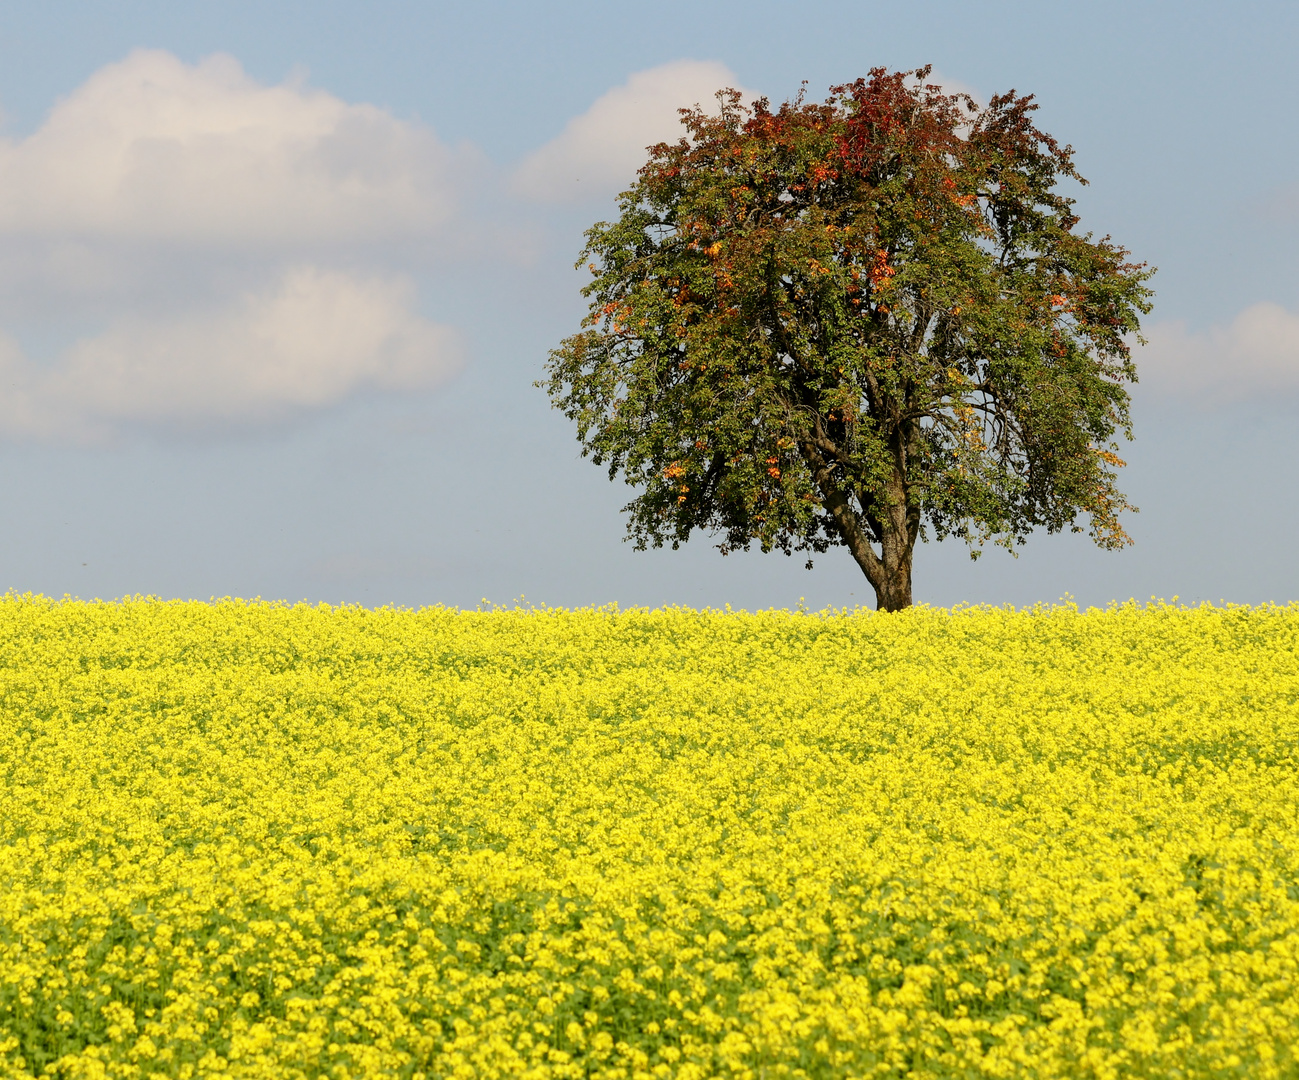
{"type": "Point", "coordinates": [250, 840]}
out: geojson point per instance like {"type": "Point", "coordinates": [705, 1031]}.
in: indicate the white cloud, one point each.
{"type": "Point", "coordinates": [597, 154]}
{"type": "Point", "coordinates": [153, 149]}
{"type": "Point", "coordinates": [186, 216]}
{"type": "Point", "coordinates": [308, 342]}
{"type": "Point", "coordinates": [1257, 354]}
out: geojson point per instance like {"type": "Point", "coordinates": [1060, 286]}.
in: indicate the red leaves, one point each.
{"type": "Point", "coordinates": [891, 119]}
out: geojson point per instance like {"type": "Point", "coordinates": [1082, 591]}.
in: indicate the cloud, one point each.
{"type": "Point", "coordinates": [183, 218]}
{"type": "Point", "coordinates": [153, 149]}
{"type": "Point", "coordinates": [313, 338]}
{"type": "Point", "coordinates": [597, 154]}
{"type": "Point", "coordinates": [1256, 355]}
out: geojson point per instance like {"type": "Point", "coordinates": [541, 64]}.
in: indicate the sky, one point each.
{"type": "Point", "coordinates": [277, 280]}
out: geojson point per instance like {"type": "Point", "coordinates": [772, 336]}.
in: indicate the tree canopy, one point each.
{"type": "Point", "coordinates": [851, 323]}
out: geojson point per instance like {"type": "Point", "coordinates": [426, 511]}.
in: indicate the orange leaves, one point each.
{"type": "Point", "coordinates": [842, 414]}
{"type": "Point", "coordinates": [617, 315]}
{"type": "Point", "coordinates": [819, 173]}
{"type": "Point", "coordinates": [881, 273]}
{"type": "Point", "coordinates": [723, 270]}
{"type": "Point", "coordinates": [963, 201]}
{"type": "Point", "coordinates": [695, 228]}
{"type": "Point", "coordinates": [674, 472]}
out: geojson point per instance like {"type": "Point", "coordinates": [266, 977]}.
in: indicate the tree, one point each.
{"type": "Point", "coordinates": [845, 323]}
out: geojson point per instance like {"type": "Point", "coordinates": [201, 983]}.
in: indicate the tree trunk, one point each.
{"type": "Point", "coordinates": [897, 527]}
{"type": "Point", "coordinates": [889, 572]}
{"type": "Point", "coordinates": [892, 580]}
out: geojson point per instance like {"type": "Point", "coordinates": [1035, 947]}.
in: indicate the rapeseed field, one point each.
{"type": "Point", "coordinates": [256, 840]}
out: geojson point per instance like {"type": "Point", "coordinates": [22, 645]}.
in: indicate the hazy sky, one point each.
{"type": "Point", "coordinates": [276, 280]}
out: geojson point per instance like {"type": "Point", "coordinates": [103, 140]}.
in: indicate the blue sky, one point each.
{"type": "Point", "coordinates": [276, 280]}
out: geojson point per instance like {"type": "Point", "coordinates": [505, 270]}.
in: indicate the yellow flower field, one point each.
{"type": "Point", "coordinates": [255, 840]}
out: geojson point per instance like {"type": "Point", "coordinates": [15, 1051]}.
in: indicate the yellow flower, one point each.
{"type": "Point", "coordinates": [255, 840]}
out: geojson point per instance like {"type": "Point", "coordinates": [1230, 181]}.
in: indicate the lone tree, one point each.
{"type": "Point", "coordinates": [840, 323]}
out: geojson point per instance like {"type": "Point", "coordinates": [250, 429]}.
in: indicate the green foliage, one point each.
{"type": "Point", "coordinates": [837, 323]}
